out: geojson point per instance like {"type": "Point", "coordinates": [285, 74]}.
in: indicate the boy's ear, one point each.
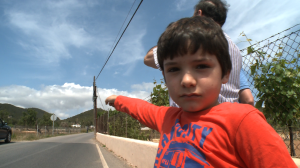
{"type": "Point", "coordinates": [226, 77]}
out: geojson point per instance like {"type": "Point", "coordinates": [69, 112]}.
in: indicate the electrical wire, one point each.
{"type": "Point", "coordinates": [120, 38]}
{"type": "Point", "coordinates": [100, 100]}
{"type": "Point", "coordinates": [120, 29]}
{"type": "Point", "coordinates": [147, 97]}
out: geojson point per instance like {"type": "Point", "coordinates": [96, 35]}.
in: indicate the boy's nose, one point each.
{"type": "Point", "coordinates": [188, 80]}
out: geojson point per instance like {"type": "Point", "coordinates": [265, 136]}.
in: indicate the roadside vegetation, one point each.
{"type": "Point", "coordinates": [32, 124]}
{"type": "Point", "coordinates": [31, 135]}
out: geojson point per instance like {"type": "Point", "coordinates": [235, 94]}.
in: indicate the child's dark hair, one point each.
{"type": "Point", "coordinates": [188, 35]}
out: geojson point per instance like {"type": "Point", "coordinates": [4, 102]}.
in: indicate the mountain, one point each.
{"type": "Point", "coordinates": [84, 118]}
{"type": "Point", "coordinates": [15, 113]}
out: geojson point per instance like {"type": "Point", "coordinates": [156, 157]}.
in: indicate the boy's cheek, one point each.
{"type": "Point", "coordinates": [168, 78]}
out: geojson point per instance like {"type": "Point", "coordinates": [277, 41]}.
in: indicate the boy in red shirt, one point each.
{"type": "Point", "coordinates": [193, 54]}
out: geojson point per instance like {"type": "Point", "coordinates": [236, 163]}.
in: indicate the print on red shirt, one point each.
{"type": "Point", "coordinates": [181, 149]}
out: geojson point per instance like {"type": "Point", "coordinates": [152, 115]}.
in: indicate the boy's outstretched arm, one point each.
{"type": "Point", "coordinates": [148, 114]}
{"type": "Point", "coordinates": [149, 59]}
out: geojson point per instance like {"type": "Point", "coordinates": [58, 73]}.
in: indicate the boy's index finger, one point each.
{"type": "Point", "coordinates": [112, 104]}
{"type": "Point", "coordinates": [106, 100]}
{"type": "Point", "coordinates": [111, 99]}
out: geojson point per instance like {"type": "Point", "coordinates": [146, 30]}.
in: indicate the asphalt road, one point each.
{"type": "Point", "coordinates": [74, 151]}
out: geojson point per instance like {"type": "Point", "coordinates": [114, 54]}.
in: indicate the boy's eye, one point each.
{"type": "Point", "coordinates": [173, 69]}
{"type": "Point", "coordinates": [202, 66]}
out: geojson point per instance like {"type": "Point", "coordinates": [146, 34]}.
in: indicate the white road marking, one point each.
{"type": "Point", "coordinates": [102, 158]}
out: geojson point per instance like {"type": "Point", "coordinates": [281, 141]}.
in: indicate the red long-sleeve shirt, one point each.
{"type": "Point", "coordinates": [227, 135]}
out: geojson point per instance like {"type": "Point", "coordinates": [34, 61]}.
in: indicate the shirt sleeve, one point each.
{"type": "Point", "coordinates": [259, 145]}
{"type": "Point", "coordinates": [148, 114]}
{"type": "Point", "coordinates": [155, 58]}
{"type": "Point", "coordinates": [243, 80]}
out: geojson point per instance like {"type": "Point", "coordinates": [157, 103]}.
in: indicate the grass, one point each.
{"type": "Point", "coordinates": [24, 136]}
{"type": "Point", "coordinates": [18, 135]}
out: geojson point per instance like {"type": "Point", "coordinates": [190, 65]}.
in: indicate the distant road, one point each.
{"type": "Point", "coordinates": [70, 151]}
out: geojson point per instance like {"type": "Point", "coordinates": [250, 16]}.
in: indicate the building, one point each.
{"type": "Point", "coordinates": [76, 125]}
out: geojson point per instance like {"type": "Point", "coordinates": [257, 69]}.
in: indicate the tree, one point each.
{"type": "Point", "coordinates": [29, 117]}
{"type": "Point", "coordinates": [278, 84]}
{"type": "Point", "coordinates": [45, 120]}
{"type": "Point", "coordinates": [3, 114]}
{"type": "Point", "coordinates": [160, 94]}
{"type": "Point", "coordinates": [121, 124]}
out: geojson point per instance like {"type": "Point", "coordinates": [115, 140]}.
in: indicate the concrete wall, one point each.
{"type": "Point", "coordinates": [139, 153]}
{"type": "Point", "coordinates": [297, 161]}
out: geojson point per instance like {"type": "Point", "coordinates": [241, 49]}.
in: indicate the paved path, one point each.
{"type": "Point", "coordinates": [74, 151]}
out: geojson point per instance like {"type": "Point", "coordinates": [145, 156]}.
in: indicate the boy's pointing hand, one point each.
{"type": "Point", "coordinates": [111, 100]}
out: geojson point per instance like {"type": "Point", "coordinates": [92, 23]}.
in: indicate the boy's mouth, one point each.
{"type": "Point", "coordinates": [190, 95]}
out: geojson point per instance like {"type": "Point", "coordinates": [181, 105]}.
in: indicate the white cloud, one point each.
{"type": "Point", "coordinates": [129, 50]}
{"type": "Point", "coordinates": [65, 101]}
{"type": "Point", "coordinates": [182, 5]}
{"type": "Point", "coordinates": [64, 4]}
{"type": "Point", "coordinates": [48, 41]}
{"type": "Point", "coordinates": [49, 31]}
{"type": "Point", "coordinates": [132, 48]}
{"type": "Point", "coordinates": [144, 86]}
{"type": "Point", "coordinates": [258, 19]}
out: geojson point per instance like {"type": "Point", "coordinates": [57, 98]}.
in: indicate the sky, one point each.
{"type": "Point", "coordinates": [51, 50]}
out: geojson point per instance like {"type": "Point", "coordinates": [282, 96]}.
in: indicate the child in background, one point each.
{"type": "Point", "coordinates": [193, 55]}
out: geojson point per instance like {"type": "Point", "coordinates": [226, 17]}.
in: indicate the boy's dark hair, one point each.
{"type": "Point", "coordinates": [215, 9]}
{"type": "Point", "coordinates": [188, 35]}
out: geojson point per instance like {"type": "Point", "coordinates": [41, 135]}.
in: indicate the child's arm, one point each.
{"type": "Point", "coordinates": [147, 113]}
{"type": "Point", "coordinates": [259, 145]}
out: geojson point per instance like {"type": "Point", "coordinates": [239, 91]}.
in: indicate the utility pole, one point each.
{"type": "Point", "coordinates": [108, 122]}
{"type": "Point", "coordinates": [95, 105]}
{"type": "Point", "coordinates": [53, 124]}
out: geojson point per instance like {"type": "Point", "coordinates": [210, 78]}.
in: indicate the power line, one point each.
{"type": "Point", "coordinates": [121, 28]}
{"type": "Point", "coordinates": [119, 39]}
{"type": "Point", "coordinates": [147, 97]}
{"type": "Point", "coordinates": [100, 100]}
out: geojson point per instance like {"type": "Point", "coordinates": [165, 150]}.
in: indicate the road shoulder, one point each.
{"type": "Point", "coordinates": [111, 158]}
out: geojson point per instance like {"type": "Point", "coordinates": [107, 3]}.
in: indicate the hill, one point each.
{"type": "Point", "coordinates": [15, 113]}
{"type": "Point", "coordinates": [84, 118]}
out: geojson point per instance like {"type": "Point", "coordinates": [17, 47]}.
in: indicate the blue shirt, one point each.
{"type": "Point", "coordinates": [243, 80]}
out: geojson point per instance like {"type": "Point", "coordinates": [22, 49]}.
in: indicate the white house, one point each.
{"type": "Point", "coordinates": [76, 125]}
